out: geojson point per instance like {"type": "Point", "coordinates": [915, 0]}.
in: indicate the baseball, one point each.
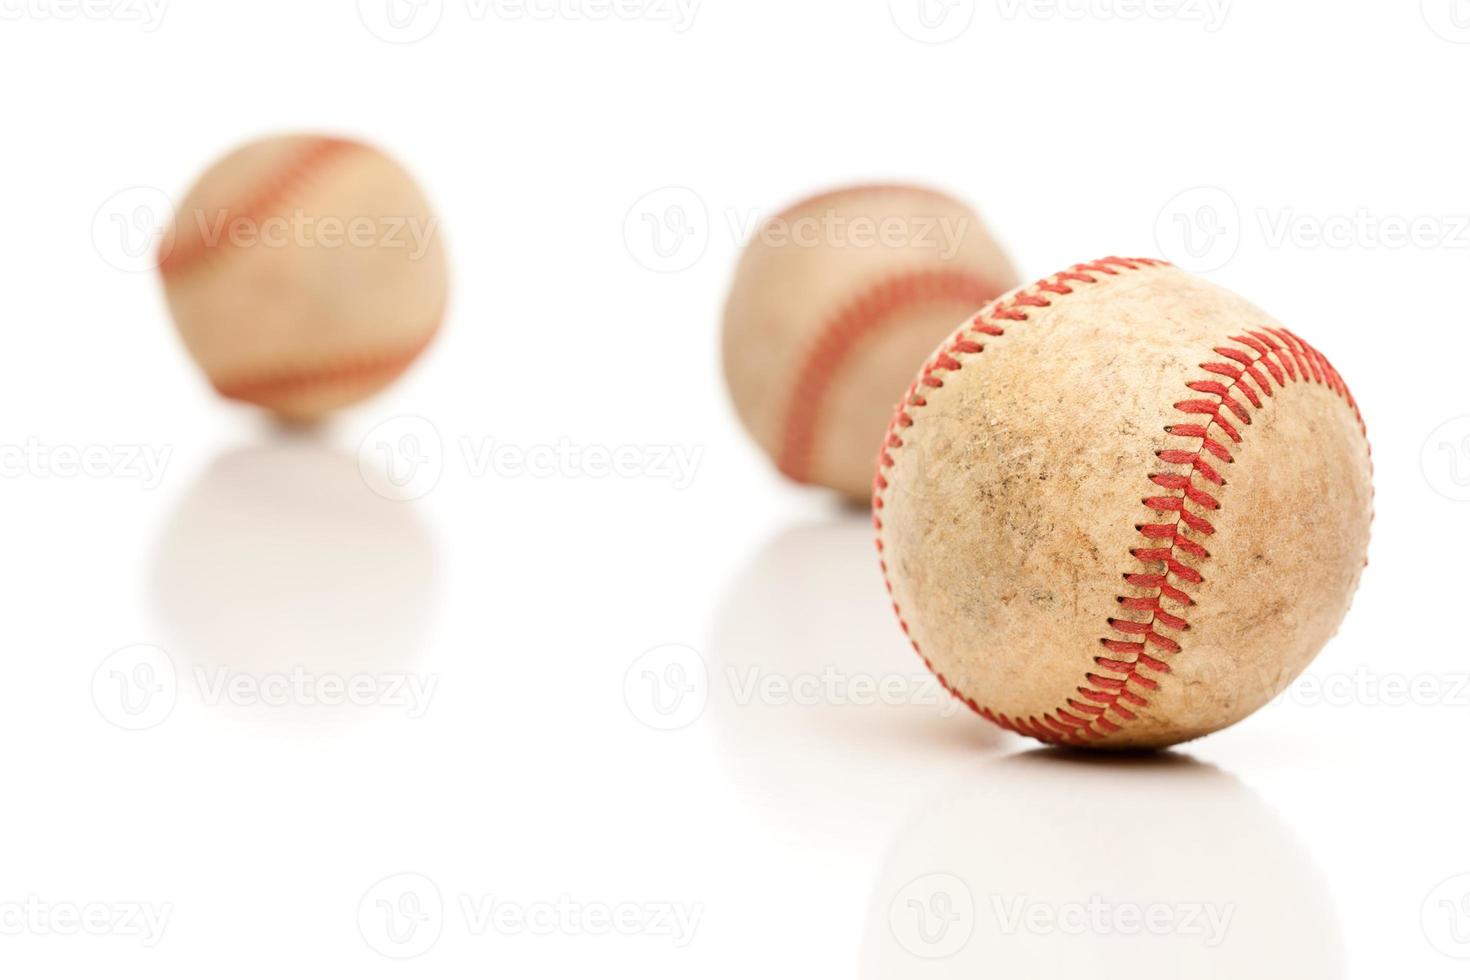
{"type": "Point", "coordinates": [1122, 507]}
{"type": "Point", "coordinates": [834, 302]}
{"type": "Point", "coordinates": [304, 274]}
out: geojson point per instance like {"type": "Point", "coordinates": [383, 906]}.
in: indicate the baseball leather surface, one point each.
{"type": "Point", "coordinates": [1123, 507]}
{"type": "Point", "coordinates": [304, 274]}
{"type": "Point", "coordinates": [834, 303]}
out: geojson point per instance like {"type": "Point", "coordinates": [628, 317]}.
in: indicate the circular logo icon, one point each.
{"type": "Point", "coordinates": [129, 226]}
{"type": "Point", "coordinates": [402, 459]}
{"type": "Point", "coordinates": [400, 21]}
{"type": "Point", "coordinates": [1445, 459]}
{"type": "Point", "coordinates": [402, 916]}
{"type": "Point", "coordinates": [1446, 917]}
{"type": "Point", "coordinates": [667, 688]}
{"type": "Point", "coordinates": [1450, 19]}
{"type": "Point", "coordinates": [1199, 229]}
{"type": "Point", "coordinates": [136, 687]}
{"type": "Point", "coordinates": [668, 230]}
{"type": "Point", "coordinates": [933, 916]}
{"type": "Point", "coordinates": [932, 21]}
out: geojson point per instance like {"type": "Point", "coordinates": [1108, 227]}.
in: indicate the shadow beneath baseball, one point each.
{"type": "Point", "coordinates": [818, 702]}
{"type": "Point", "coordinates": [279, 561]}
{"type": "Point", "coordinates": [1044, 865]}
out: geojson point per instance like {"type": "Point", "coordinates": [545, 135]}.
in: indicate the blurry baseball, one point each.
{"type": "Point", "coordinates": [834, 303]}
{"type": "Point", "coordinates": [1123, 507]}
{"type": "Point", "coordinates": [304, 274]}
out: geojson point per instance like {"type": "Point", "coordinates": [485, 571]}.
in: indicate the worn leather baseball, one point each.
{"type": "Point", "coordinates": [1123, 507]}
{"type": "Point", "coordinates": [304, 274]}
{"type": "Point", "coordinates": [834, 303]}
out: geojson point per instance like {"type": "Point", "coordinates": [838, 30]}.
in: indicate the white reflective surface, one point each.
{"type": "Point", "coordinates": [531, 667]}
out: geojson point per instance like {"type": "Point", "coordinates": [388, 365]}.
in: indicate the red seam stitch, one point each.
{"type": "Point", "coordinates": [259, 389]}
{"type": "Point", "coordinates": [184, 256]}
{"type": "Point", "coordinates": [1009, 309]}
{"type": "Point", "coordinates": [838, 340]}
{"type": "Point", "coordinates": [1174, 533]}
{"type": "Point", "coordinates": [1298, 361]}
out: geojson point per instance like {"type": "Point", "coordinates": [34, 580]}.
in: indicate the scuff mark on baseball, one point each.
{"type": "Point", "coordinates": [1123, 507]}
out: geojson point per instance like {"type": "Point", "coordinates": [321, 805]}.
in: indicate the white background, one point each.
{"type": "Point", "coordinates": [269, 833]}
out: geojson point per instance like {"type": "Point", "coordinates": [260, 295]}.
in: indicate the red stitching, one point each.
{"type": "Point", "coordinates": [262, 389]}
{"type": "Point", "coordinates": [1140, 644]}
{"type": "Point", "coordinates": [1287, 359]}
{"type": "Point", "coordinates": [178, 257]}
{"type": "Point", "coordinates": [836, 342]}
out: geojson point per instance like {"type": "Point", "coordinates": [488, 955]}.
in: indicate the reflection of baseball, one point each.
{"type": "Point", "coordinates": [835, 301]}
{"type": "Point", "coordinates": [1123, 507]}
{"type": "Point", "coordinates": [279, 558]}
{"type": "Point", "coordinates": [800, 654]}
{"type": "Point", "coordinates": [304, 274]}
{"type": "Point", "coordinates": [1043, 866]}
